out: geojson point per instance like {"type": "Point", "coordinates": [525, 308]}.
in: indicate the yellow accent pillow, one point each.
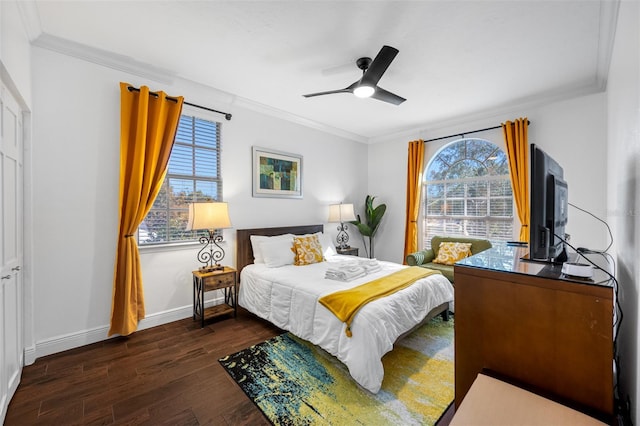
{"type": "Point", "coordinates": [450, 252]}
{"type": "Point", "coordinates": [307, 250]}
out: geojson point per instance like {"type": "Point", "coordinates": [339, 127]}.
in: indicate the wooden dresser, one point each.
{"type": "Point", "coordinates": [527, 321]}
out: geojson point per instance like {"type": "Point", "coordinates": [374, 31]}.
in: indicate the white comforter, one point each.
{"type": "Point", "coordinates": [288, 297]}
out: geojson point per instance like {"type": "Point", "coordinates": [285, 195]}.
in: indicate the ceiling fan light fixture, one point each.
{"type": "Point", "coordinates": [364, 91]}
{"type": "Point", "coordinates": [367, 85]}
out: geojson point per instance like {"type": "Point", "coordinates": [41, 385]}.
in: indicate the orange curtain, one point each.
{"type": "Point", "coordinates": [148, 124]}
{"type": "Point", "coordinates": [515, 137]}
{"type": "Point", "coordinates": [415, 163]}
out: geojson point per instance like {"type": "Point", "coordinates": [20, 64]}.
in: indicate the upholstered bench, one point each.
{"type": "Point", "coordinates": [443, 260]}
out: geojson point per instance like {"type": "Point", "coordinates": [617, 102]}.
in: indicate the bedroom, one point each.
{"type": "Point", "coordinates": [72, 192]}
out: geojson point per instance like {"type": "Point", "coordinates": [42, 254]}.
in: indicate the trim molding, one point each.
{"type": "Point", "coordinates": [86, 337]}
{"type": "Point", "coordinates": [293, 118]}
{"type": "Point", "coordinates": [104, 58]}
{"type": "Point", "coordinates": [430, 130]}
{"type": "Point", "coordinates": [30, 18]}
{"type": "Point", "coordinates": [609, 11]}
{"type": "Point", "coordinates": [131, 66]}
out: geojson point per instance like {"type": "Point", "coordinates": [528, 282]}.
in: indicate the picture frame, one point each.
{"type": "Point", "coordinates": [276, 174]}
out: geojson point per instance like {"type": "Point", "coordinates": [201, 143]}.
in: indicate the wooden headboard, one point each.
{"type": "Point", "coordinates": [244, 253]}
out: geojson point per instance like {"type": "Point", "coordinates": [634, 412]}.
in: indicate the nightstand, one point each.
{"type": "Point", "coordinates": [224, 279]}
{"type": "Point", "coordinates": [352, 251]}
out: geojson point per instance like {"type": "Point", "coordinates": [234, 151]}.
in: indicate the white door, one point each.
{"type": "Point", "coordinates": [11, 248]}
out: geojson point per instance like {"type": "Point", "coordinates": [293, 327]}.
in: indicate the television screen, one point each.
{"type": "Point", "coordinates": [548, 207]}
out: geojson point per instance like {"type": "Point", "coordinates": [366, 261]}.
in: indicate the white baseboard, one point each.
{"type": "Point", "coordinates": [98, 334]}
{"type": "Point", "coordinates": [29, 355]}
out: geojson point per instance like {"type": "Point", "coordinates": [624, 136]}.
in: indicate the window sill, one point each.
{"type": "Point", "coordinates": [159, 248]}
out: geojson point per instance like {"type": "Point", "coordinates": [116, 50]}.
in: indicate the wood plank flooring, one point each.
{"type": "Point", "coordinates": [166, 375]}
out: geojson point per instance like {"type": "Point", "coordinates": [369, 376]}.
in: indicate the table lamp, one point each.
{"type": "Point", "coordinates": [342, 213]}
{"type": "Point", "coordinates": [210, 216]}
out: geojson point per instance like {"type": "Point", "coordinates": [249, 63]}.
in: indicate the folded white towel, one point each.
{"type": "Point", "coordinates": [349, 271]}
{"type": "Point", "coordinates": [345, 273]}
{"type": "Point", "coordinates": [352, 269]}
{"type": "Point", "coordinates": [370, 265]}
{"type": "Point", "coordinates": [372, 269]}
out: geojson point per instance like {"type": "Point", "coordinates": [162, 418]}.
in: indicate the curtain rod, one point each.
{"type": "Point", "coordinates": [226, 114]}
{"type": "Point", "coordinates": [467, 133]}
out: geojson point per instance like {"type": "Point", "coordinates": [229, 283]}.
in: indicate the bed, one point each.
{"type": "Point", "coordinates": [287, 296]}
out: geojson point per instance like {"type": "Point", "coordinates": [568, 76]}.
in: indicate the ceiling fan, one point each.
{"type": "Point", "coordinates": [372, 71]}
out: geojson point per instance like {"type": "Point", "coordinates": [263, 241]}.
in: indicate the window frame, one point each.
{"type": "Point", "coordinates": [218, 180]}
{"type": "Point", "coordinates": [425, 241]}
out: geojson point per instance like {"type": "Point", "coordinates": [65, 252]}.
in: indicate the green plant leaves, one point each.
{"type": "Point", "coordinates": [362, 227]}
{"type": "Point", "coordinates": [373, 216]}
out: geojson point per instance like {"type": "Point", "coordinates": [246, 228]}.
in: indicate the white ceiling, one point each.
{"type": "Point", "coordinates": [457, 58]}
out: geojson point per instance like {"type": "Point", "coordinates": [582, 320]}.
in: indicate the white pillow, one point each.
{"type": "Point", "coordinates": [277, 252]}
{"type": "Point", "coordinates": [328, 248]}
{"type": "Point", "coordinates": [256, 239]}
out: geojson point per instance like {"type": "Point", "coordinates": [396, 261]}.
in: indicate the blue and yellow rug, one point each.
{"type": "Point", "coordinates": [296, 383]}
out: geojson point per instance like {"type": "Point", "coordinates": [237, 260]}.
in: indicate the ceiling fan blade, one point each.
{"type": "Point", "coordinates": [329, 92]}
{"type": "Point", "coordinates": [379, 65]}
{"type": "Point", "coordinates": [348, 89]}
{"type": "Point", "coordinates": [385, 96]}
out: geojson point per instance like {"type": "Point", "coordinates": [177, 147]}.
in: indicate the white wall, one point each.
{"type": "Point", "coordinates": [572, 131]}
{"type": "Point", "coordinates": [623, 189]}
{"type": "Point", "coordinates": [75, 182]}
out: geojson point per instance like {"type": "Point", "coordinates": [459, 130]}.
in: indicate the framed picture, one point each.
{"type": "Point", "coordinates": [276, 174]}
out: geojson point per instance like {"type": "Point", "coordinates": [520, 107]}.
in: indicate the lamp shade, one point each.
{"type": "Point", "coordinates": [341, 213]}
{"type": "Point", "coordinates": [208, 216]}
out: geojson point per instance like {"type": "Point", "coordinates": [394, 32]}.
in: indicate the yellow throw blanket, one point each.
{"type": "Point", "coordinates": [345, 304]}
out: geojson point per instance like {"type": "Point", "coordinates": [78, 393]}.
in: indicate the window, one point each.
{"type": "Point", "coordinates": [193, 175]}
{"type": "Point", "coordinates": [467, 192]}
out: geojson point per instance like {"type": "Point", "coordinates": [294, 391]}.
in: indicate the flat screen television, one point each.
{"type": "Point", "coordinates": [548, 208]}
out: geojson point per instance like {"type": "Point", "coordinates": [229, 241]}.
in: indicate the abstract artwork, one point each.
{"type": "Point", "coordinates": [276, 174]}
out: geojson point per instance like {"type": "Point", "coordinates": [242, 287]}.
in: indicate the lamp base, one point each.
{"type": "Point", "coordinates": [342, 238]}
{"type": "Point", "coordinates": [211, 268]}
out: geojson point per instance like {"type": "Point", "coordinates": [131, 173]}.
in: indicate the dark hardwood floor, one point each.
{"type": "Point", "coordinates": [166, 375]}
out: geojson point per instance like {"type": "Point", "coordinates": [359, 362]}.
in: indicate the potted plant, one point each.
{"type": "Point", "coordinates": [373, 218]}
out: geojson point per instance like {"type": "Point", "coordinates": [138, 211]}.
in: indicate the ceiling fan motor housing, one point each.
{"type": "Point", "coordinates": [363, 63]}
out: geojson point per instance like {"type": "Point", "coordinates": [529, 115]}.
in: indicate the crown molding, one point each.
{"type": "Point", "coordinates": [294, 118]}
{"type": "Point", "coordinates": [104, 58]}
{"type": "Point", "coordinates": [609, 10]}
{"type": "Point", "coordinates": [129, 65]}
{"type": "Point", "coordinates": [608, 24]}
{"type": "Point", "coordinates": [428, 130]}
{"type": "Point", "coordinates": [30, 18]}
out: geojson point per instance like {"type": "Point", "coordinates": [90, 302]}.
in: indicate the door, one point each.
{"type": "Point", "coordinates": [11, 248]}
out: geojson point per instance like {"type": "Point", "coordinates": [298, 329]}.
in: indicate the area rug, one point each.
{"type": "Point", "coordinates": [296, 383]}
